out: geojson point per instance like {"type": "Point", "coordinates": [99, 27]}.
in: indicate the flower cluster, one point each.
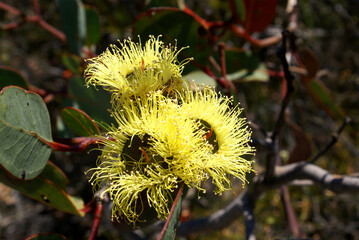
{"type": "Point", "coordinates": [168, 132]}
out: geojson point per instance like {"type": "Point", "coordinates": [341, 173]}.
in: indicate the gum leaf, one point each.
{"type": "Point", "coordinates": [73, 18]}
{"type": "Point", "coordinates": [93, 26]}
{"type": "Point", "coordinates": [47, 188]}
{"type": "Point", "coordinates": [24, 129]}
{"type": "Point", "coordinates": [95, 102]}
{"type": "Point", "coordinates": [79, 122]}
{"type": "Point", "coordinates": [10, 76]}
{"type": "Point", "coordinates": [170, 232]}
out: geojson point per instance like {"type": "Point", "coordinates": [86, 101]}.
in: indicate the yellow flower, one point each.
{"type": "Point", "coordinates": [225, 131]}
{"type": "Point", "coordinates": [134, 70]}
{"type": "Point", "coordinates": [167, 134]}
{"type": "Point", "coordinates": [152, 150]}
{"type": "Point", "coordinates": [160, 142]}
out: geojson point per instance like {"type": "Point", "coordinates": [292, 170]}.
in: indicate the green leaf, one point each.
{"type": "Point", "coordinates": [46, 188]}
{"type": "Point", "coordinates": [24, 129]}
{"type": "Point", "coordinates": [79, 122]}
{"type": "Point", "coordinates": [244, 66]}
{"type": "Point", "coordinates": [181, 4]}
{"type": "Point", "coordinates": [241, 9]}
{"type": "Point", "coordinates": [200, 78]}
{"type": "Point", "coordinates": [94, 102]}
{"type": "Point", "coordinates": [259, 74]}
{"type": "Point", "coordinates": [170, 232]}
{"type": "Point", "coordinates": [321, 96]}
{"type": "Point", "coordinates": [55, 175]}
{"type": "Point", "coordinates": [72, 62]}
{"type": "Point", "coordinates": [176, 25]}
{"type": "Point", "coordinates": [73, 18]}
{"type": "Point", "coordinates": [10, 76]}
{"type": "Point", "coordinates": [93, 26]}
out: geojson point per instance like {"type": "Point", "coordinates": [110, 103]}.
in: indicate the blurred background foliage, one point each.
{"type": "Point", "coordinates": [327, 36]}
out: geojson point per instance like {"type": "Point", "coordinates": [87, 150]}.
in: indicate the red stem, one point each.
{"type": "Point", "coordinates": [88, 207]}
{"type": "Point", "coordinates": [57, 33]}
{"type": "Point", "coordinates": [257, 42]}
{"type": "Point", "coordinates": [10, 9]}
{"type": "Point", "coordinates": [38, 20]}
{"type": "Point", "coordinates": [233, 9]}
{"type": "Point", "coordinates": [96, 220]}
{"type": "Point", "coordinates": [227, 82]}
{"type": "Point", "coordinates": [36, 7]}
{"type": "Point", "coordinates": [179, 193]}
{"type": "Point", "coordinates": [222, 54]}
{"type": "Point", "coordinates": [81, 144]}
{"type": "Point", "coordinates": [290, 214]}
{"type": "Point", "coordinates": [202, 21]}
{"type": "Point", "coordinates": [35, 18]}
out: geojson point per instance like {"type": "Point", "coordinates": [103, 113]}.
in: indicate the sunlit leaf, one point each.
{"type": "Point", "coordinates": [24, 126]}
{"type": "Point", "coordinates": [199, 77]}
{"type": "Point", "coordinates": [245, 67]}
{"type": "Point", "coordinates": [260, 74]}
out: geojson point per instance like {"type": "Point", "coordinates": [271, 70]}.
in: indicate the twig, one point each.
{"type": "Point", "coordinates": [289, 80]}
{"type": "Point", "coordinates": [319, 176]}
{"type": "Point", "coordinates": [248, 213]}
{"type": "Point", "coordinates": [282, 176]}
{"type": "Point", "coordinates": [35, 18]}
{"type": "Point", "coordinates": [335, 137]}
{"type": "Point", "coordinates": [10, 9]}
{"type": "Point", "coordinates": [273, 158]}
{"type": "Point", "coordinates": [290, 214]}
{"type": "Point", "coordinates": [222, 54]}
{"type": "Point", "coordinates": [97, 218]}
{"type": "Point", "coordinates": [225, 83]}
{"type": "Point", "coordinates": [78, 144]}
{"type": "Point", "coordinates": [218, 220]}
{"type": "Point", "coordinates": [179, 193]}
{"type": "Point", "coordinates": [262, 43]}
{"type": "Point", "coordinates": [36, 7]}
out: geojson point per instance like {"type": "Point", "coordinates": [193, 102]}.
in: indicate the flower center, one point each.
{"type": "Point", "coordinates": [209, 135]}
{"type": "Point", "coordinates": [138, 152]}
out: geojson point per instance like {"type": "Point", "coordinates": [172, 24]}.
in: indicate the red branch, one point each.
{"type": "Point", "coordinates": [179, 193]}
{"type": "Point", "coordinates": [34, 18]}
{"type": "Point", "coordinates": [78, 144]}
{"type": "Point", "coordinates": [96, 220]}
{"type": "Point", "coordinates": [257, 42]}
{"type": "Point", "coordinates": [10, 9]}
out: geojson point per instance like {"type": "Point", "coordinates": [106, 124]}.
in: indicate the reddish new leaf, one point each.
{"type": "Point", "coordinates": [258, 14]}
{"type": "Point", "coordinates": [302, 150]}
{"type": "Point", "coordinates": [310, 61]}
